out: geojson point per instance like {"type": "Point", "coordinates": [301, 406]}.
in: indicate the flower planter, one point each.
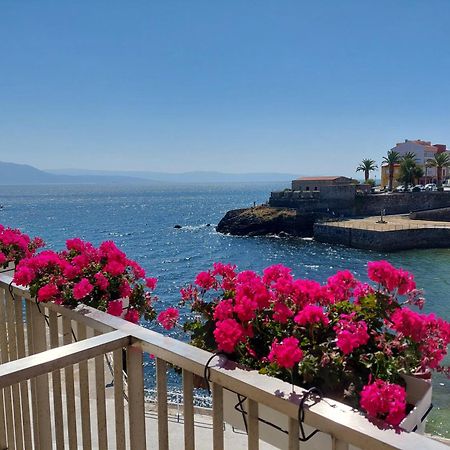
{"type": "Point", "coordinates": [418, 394]}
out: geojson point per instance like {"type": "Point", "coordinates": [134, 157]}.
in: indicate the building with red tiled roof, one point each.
{"type": "Point", "coordinates": [316, 183]}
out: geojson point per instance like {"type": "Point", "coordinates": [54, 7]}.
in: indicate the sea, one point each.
{"type": "Point", "coordinates": [141, 220]}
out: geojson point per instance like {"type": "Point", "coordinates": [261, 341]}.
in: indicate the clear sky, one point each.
{"type": "Point", "coordinates": [308, 87]}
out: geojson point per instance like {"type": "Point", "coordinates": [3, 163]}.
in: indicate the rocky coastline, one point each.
{"type": "Point", "coordinates": [268, 220]}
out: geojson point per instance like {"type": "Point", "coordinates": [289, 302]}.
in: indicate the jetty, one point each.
{"type": "Point", "coordinates": [390, 233]}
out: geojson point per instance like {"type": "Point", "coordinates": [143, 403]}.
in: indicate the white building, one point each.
{"type": "Point", "coordinates": [424, 151]}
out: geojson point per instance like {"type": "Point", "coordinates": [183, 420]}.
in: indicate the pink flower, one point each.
{"type": "Point", "coordinates": [287, 353]}
{"type": "Point", "coordinates": [115, 308]}
{"type": "Point", "coordinates": [132, 315]}
{"type": "Point", "coordinates": [228, 333]}
{"type": "Point", "coordinates": [223, 310]}
{"type": "Point", "coordinates": [306, 291]}
{"type": "Point", "coordinates": [151, 283]}
{"type": "Point", "coordinates": [115, 268]}
{"type": "Point", "coordinates": [82, 289]}
{"type": "Point", "coordinates": [76, 244]}
{"type": "Point", "coordinates": [124, 289]}
{"type": "Point", "coordinates": [350, 333]}
{"type": "Point", "coordinates": [168, 318]}
{"type": "Point", "coordinates": [47, 292]}
{"type": "Point", "coordinates": [311, 314]}
{"type": "Point", "coordinates": [205, 280]}
{"type": "Point", "coordinates": [391, 278]}
{"type": "Point", "coordinates": [339, 285]}
{"type": "Point", "coordinates": [409, 323]}
{"type": "Point", "coordinates": [385, 401]}
{"type": "Point", "coordinates": [281, 312]}
{"type": "Point", "coordinates": [405, 282]}
{"type": "Point", "coordinates": [3, 258]}
{"type": "Point", "coordinates": [274, 273]}
{"type": "Point", "coordinates": [245, 308]}
{"type": "Point", "coordinates": [71, 272]}
{"type": "Point", "coordinates": [101, 281]}
{"type": "Point", "coordinates": [24, 275]}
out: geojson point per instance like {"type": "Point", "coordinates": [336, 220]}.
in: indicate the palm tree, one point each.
{"type": "Point", "coordinates": [410, 172]}
{"type": "Point", "coordinates": [391, 159]}
{"type": "Point", "coordinates": [439, 161]}
{"type": "Point", "coordinates": [366, 166]}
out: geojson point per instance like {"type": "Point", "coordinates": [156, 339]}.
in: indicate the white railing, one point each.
{"type": "Point", "coordinates": [55, 394]}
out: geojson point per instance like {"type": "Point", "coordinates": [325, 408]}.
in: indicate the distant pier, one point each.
{"type": "Point", "coordinates": [393, 233]}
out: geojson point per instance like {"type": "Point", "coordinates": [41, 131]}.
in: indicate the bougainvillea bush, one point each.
{"type": "Point", "coordinates": [351, 339]}
{"type": "Point", "coordinates": [15, 245]}
{"type": "Point", "coordinates": [99, 277]}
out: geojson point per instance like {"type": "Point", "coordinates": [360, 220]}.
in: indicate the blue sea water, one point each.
{"type": "Point", "coordinates": [141, 219]}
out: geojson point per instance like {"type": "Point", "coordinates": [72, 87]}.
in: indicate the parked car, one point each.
{"type": "Point", "coordinates": [430, 187]}
{"type": "Point", "coordinates": [401, 188]}
{"type": "Point", "coordinates": [418, 188]}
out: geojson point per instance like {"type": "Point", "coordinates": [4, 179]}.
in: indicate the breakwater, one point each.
{"type": "Point", "coordinates": [396, 233]}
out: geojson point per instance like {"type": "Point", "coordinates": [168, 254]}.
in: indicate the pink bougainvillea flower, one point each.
{"type": "Point", "coordinates": [311, 314]}
{"type": "Point", "coordinates": [101, 281]}
{"type": "Point", "coordinates": [206, 281]}
{"type": "Point", "coordinates": [47, 292]}
{"type": "Point", "coordinates": [132, 315]}
{"type": "Point", "coordinates": [281, 312]}
{"type": "Point", "coordinates": [82, 289]}
{"type": "Point", "coordinates": [168, 318]}
{"type": "Point", "coordinates": [115, 308]}
{"type": "Point", "coordinates": [151, 283]}
{"type": "Point", "coordinates": [386, 401]}
{"type": "Point", "coordinates": [228, 333]}
{"type": "Point", "coordinates": [286, 353]}
{"type": "Point", "coordinates": [350, 332]}
{"type": "Point", "coordinates": [223, 310]}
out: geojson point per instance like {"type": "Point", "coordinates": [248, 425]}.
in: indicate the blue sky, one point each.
{"type": "Point", "coordinates": [239, 86]}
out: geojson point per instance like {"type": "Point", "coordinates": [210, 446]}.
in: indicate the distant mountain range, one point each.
{"type": "Point", "coordinates": [11, 173]}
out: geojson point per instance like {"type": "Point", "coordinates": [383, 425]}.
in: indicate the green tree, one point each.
{"type": "Point", "coordinates": [439, 161]}
{"type": "Point", "coordinates": [366, 166]}
{"type": "Point", "coordinates": [410, 172]}
{"type": "Point", "coordinates": [391, 159]}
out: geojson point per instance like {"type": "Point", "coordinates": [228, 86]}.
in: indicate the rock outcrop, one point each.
{"type": "Point", "coordinates": [264, 220]}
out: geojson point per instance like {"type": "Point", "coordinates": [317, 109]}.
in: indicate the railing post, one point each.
{"type": "Point", "coordinates": [293, 434]}
{"type": "Point", "coordinates": [56, 385]}
{"type": "Point", "coordinates": [42, 381]}
{"type": "Point", "coordinates": [6, 425]}
{"type": "Point", "coordinates": [161, 391]}
{"type": "Point", "coordinates": [70, 389]}
{"type": "Point", "coordinates": [12, 341]}
{"type": "Point", "coordinates": [118, 399]}
{"type": "Point", "coordinates": [338, 444]}
{"type": "Point", "coordinates": [84, 394]}
{"type": "Point", "coordinates": [253, 425]}
{"type": "Point", "coordinates": [217, 393]}
{"type": "Point", "coordinates": [102, 428]}
{"type": "Point", "coordinates": [136, 406]}
{"type": "Point", "coordinates": [188, 410]}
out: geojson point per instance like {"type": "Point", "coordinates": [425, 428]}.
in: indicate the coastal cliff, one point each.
{"type": "Point", "coordinates": [264, 220]}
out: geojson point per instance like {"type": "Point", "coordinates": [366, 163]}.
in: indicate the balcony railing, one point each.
{"type": "Point", "coordinates": [63, 386]}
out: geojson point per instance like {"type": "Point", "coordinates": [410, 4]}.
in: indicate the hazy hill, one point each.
{"type": "Point", "coordinates": [185, 177]}
{"type": "Point", "coordinates": [11, 173]}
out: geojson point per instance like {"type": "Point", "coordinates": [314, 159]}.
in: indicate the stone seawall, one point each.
{"type": "Point", "coordinates": [442, 214]}
{"type": "Point", "coordinates": [383, 240]}
{"type": "Point", "coordinates": [367, 205]}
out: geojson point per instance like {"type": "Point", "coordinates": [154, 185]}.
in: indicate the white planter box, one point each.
{"type": "Point", "coordinates": [418, 394]}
